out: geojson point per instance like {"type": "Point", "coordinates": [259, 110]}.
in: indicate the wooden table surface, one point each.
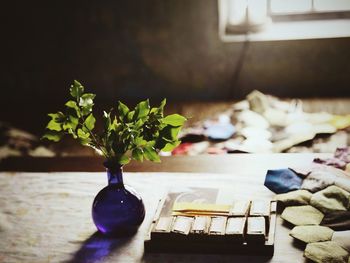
{"type": "Point", "coordinates": [225, 163]}
{"type": "Point", "coordinates": [45, 217]}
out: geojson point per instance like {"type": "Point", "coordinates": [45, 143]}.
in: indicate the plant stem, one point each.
{"type": "Point", "coordinates": [97, 142]}
{"type": "Point", "coordinates": [94, 138]}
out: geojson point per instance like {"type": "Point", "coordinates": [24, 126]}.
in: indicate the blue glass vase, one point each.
{"type": "Point", "coordinates": [117, 209]}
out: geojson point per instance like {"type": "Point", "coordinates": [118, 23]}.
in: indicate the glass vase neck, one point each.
{"type": "Point", "coordinates": [115, 174]}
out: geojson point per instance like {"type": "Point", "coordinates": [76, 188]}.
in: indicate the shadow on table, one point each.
{"type": "Point", "coordinates": [97, 247]}
{"type": "Point", "coordinates": [200, 258]}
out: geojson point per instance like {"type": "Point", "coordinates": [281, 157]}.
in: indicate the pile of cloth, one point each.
{"type": "Point", "coordinates": [265, 124]}
{"type": "Point", "coordinates": [315, 200]}
{"type": "Point", "coordinates": [258, 124]}
{"type": "Point", "coordinates": [17, 142]}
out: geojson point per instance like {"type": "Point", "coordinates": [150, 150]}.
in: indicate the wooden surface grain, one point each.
{"type": "Point", "coordinates": [225, 163]}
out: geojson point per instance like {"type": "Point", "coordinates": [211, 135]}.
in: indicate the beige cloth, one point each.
{"type": "Point", "coordinates": [318, 180]}
{"type": "Point", "coordinates": [302, 215]}
{"type": "Point", "coordinates": [333, 198]}
{"type": "Point", "coordinates": [342, 238]}
{"type": "Point", "coordinates": [297, 197]}
{"type": "Point", "coordinates": [326, 252]}
{"type": "Point", "coordinates": [311, 234]}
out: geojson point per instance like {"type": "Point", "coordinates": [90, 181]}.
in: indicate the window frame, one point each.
{"type": "Point", "coordinates": [286, 26]}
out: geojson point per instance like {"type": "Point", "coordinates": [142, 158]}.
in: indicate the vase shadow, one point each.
{"type": "Point", "coordinates": [97, 247]}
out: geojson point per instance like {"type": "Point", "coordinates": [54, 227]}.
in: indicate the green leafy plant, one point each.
{"type": "Point", "coordinates": [127, 134]}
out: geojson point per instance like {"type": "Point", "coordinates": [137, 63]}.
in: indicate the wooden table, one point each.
{"type": "Point", "coordinates": [225, 163]}
{"type": "Point", "coordinates": [45, 217]}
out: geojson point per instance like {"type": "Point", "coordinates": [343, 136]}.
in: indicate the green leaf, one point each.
{"type": "Point", "coordinates": [55, 124]}
{"type": "Point", "coordinates": [88, 97]}
{"type": "Point", "coordinates": [59, 116]}
{"type": "Point", "coordinates": [130, 116]}
{"type": "Point", "coordinates": [141, 110]}
{"type": "Point", "coordinates": [82, 134]}
{"type": "Point", "coordinates": [139, 141]}
{"type": "Point", "coordinates": [66, 126]}
{"type": "Point", "coordinates": [174, 120]}
{"type": "Point", "coordinates": [76, 89]}
{"type": "Point", "coordinates": [115, 124]}
{"type": "Point", "coordinates": [73, 105]}
{"type": "Point", "coordinates": [123, 110]}
{"type": "Point", "coordinates": [71, 122]}
{"type": "Point", "coordinates": [53, 136]}
{"type": "Point", "coordinates": [151, 154]}
{"type": "Point", "coordinates": [162, 104]}
{"type": "Point", "coordinates": [86, 102]}
{"type": "Point", "coordinates": [139, 124]}
{"type": "Point", "coordinates": [123, 159]}
{"type": "Point", "coordinates": [170, 133]}
{"type": "Point", "coordinates": [137, 154]}
{"type": "Point", "coordinates": [171, 146]}
{"type": "Point", "coordinates": [159, 111]}
{"type": "Point", "coordinates": [90, 122]}
{"type": "Point", "coordinates": [84, 137]}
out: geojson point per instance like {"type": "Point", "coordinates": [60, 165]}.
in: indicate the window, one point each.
{"type": "Point", "coordinates": [258, 20]}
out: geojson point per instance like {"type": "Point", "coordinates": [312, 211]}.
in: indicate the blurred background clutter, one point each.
{"type": "Point", "coordinates": [263, 78]}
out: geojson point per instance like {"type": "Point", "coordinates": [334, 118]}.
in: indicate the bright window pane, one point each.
{"type": "Point", "coordinates": [237, 12]}
{"type": "Point", "coordinates": [257, 12]}
{"type": "Point", "coordinates": [290, 6]}
{"type": "Point", "coordinates": [332, 5]}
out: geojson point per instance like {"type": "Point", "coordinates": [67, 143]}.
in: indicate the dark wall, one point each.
{"type": "Point", "coordinates": [136, 49]}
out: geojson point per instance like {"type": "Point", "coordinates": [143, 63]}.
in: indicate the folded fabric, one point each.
{"type": "Point", "coordinates": [343, 183]}
{"type": "Point", "coordinates": [258, 101]}
{"type": "Point", "coordinates": [319, 117]}
{"type": "Point", "coordinates": [340, 160]}
{"type": "Point", "coordinates": [302, 215]}
{"type": "Point", "coordinates": [282, 181]}
{"type": "Point", "coordinates": [256, 133]}
{"type": "Point", "coordinates": [311, 234]}
{"type": "Point", "coordinates": [319, 176]}
{"type": "Point", "coordinates": [339, 220]}
{"type": "Point", "coordinates": [343, 154]}
{"type": "Point", "coordinates": [276, 117]}
{"type": "Point", "coordinates": [332, 162]}
{"type": "Point", "coordinates": [298, 197]}
{"type": "Point", "coordinates": [340, 121]}
{"type": "Point", "coordinates": [333, 198]}
{"type": "Point", "coordinates": [324, 128]}
{"type": "Point", "coordinates": [318, 180]}
{"type": "Point", "coordinates": [326, 252]}
{"type": "Point", "coordinates": [256, 145]}
{"type": "Point", "coordinates": [305, 170]}
{"type": "Point", "coordinates": [220, 131]}
{"type": "Point", "coordinates": [291, 140]}
{"type": "Point", "coordinates": [342, 238]}
{"type": "Point", "coordinates": [336, 171]}
{"type": "Point", "coordinates": [251, 118]}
